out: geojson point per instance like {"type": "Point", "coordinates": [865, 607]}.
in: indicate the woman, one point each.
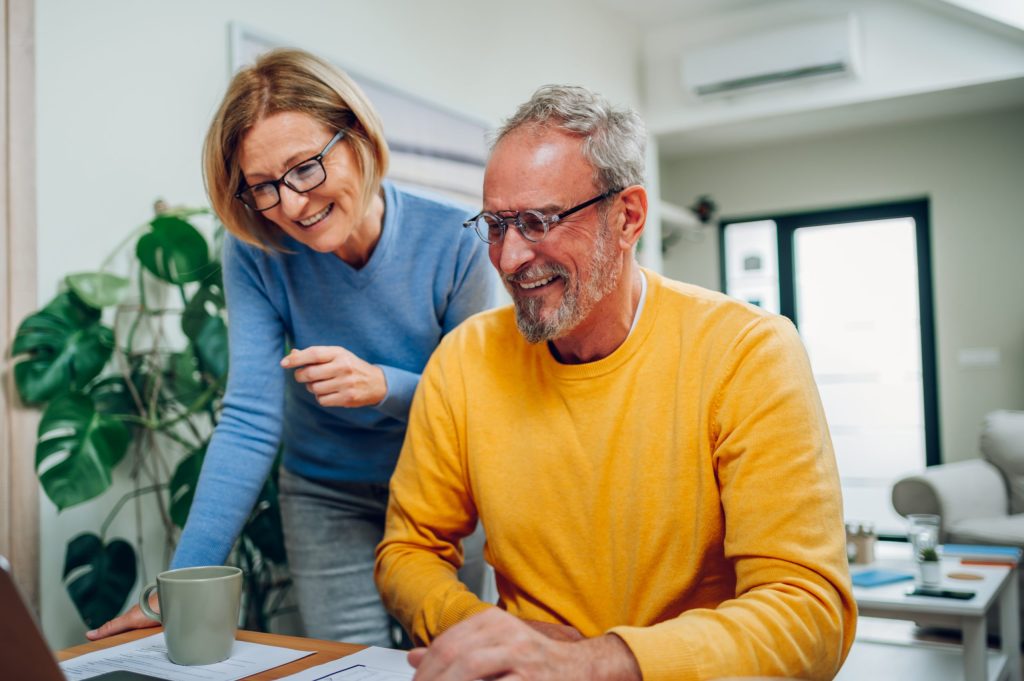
{"type": "Point", "coordinates": [361, 279]}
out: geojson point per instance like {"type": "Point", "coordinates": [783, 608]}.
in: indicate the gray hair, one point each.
{"type": "Point", "coordinates": [615, 139]}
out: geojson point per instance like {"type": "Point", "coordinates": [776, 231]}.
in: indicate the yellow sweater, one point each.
{"type": "Point", "coordinates": [681, 492]}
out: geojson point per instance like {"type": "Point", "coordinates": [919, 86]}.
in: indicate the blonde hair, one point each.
{"type": "Point", "coordinates": [286, 80]}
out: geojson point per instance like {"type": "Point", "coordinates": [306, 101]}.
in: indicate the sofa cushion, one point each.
{"type": "Point", "coordinates": [1004, 531]}
{"type": "Point", "coordinates": [1002, 443]}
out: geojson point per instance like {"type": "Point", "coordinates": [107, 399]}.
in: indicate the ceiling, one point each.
{"type": "Point", "coordinates": [1000, 18]}
{"type": "Point", "coordinates": [823, 122]}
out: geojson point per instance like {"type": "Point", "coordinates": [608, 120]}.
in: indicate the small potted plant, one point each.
{"type": "Point", "coordinates": [931, 571]}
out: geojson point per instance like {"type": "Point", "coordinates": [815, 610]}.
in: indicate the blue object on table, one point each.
{"type": "Point", "coordinates": [980, 551]}
{"type": "Point", "coordinates": [880, 577]}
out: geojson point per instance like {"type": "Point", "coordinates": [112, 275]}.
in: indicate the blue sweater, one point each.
{"type": "Point", "coordinates": [425, 276]}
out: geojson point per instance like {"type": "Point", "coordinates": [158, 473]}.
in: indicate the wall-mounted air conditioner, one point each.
{"type": "Point", "coordinates": [780, 55]}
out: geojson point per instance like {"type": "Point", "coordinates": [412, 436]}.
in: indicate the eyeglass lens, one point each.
{"type": "Point", "coordinates": [532, 225]}
{"type": "Point", "coordinates": [302, 178]}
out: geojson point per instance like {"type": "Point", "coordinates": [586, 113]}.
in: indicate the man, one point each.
{"type": "Point", "coordinates": [649, 459]}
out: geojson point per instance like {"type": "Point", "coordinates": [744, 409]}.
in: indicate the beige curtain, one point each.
{"type": "Point", "coordinates": [19, 498]}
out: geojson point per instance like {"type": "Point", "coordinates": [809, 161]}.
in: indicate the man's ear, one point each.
{"type": "Point", "coordinates": [634, 211]}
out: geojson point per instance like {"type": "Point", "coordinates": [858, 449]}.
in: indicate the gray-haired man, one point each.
{"type": "Point", "coordinates": [649, 459]}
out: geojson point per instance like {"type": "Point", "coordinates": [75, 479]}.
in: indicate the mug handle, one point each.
{"type": "Point", "coordinates": [144, 603]}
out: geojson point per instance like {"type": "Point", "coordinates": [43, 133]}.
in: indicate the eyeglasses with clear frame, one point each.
{"type": "Point", "coordinates": [533, 225]}
{"type": "Point", "coordinates": [301, 178]}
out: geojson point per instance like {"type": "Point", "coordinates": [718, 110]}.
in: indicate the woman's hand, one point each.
{"type": "Point", "coordinates": [133, 619]}
{"type": "Point", "coordinates": [337, 377]}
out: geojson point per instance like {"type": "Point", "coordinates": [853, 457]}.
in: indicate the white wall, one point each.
{"type": "Point", "coordinates": [972, 171]}
{"type": "Point", "coordinates": [126, 89]}
{"type": "Point", "coordinates": [904, 49]}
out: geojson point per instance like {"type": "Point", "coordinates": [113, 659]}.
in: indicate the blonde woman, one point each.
{"type": "Point", "coordinates": [361, 279]}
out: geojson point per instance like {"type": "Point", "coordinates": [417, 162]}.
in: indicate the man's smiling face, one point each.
{"type": "Point", "coordinates": [556, 283]}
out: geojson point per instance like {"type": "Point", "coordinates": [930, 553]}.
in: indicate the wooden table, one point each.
{"type": "Point", "coordinates": [325, 650]}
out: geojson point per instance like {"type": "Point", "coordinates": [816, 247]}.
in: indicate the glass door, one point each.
{"type": "Point", "coordinates": [857, 284]}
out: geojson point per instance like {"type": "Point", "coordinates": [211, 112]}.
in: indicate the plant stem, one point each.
{"type": "Point", "coordinates": [122, 501]}
{"type": "Point", "coordinates": [124, 242]}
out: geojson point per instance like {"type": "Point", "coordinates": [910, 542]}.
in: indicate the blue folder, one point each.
{"type": "Point", "coordinates": [879, 577]}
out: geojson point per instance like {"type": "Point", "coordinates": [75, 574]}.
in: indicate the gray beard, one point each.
{"type": "Point", "coordinates": [578, 298]}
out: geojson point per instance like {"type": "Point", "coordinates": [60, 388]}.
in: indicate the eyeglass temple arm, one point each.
{"type": "Point", "coordinates": [586, 204]}
{"type": "Point", "coordinates": [334, 140]}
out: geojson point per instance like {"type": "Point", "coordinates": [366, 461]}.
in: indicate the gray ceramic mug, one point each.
{"type": "Point", "coordinates": [199, 612]}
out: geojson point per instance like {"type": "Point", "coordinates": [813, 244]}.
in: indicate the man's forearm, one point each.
{"type": "Point", "coordinates": [610, 659]}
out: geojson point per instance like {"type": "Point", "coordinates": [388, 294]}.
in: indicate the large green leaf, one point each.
{"type": "Point", "coordinates": [111, 396]}
{"type": "Point", "coordinates": [174, 251]}
{"type": "Point", "coordinates": [183, 381]}
{"type": "Point", "coordinates": [212, 346]}
{"type": "Point", "coordinates": [183, 485]}
{"type": "Point", "coordinates": [77, 450]}
{"type": "Point", "coordinates": [98, 578]}
{"type": "Point", "coordinates": [206, 302]}
{"type": "Point", "coordinates": [67, 347]}
{"type": "Point", "coordinates": [98, 289]}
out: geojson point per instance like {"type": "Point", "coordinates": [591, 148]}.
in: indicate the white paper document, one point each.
{"type": "Point", "coordinates": [149, 656]}
{"type": "Point", "coordinates": [370, 664]}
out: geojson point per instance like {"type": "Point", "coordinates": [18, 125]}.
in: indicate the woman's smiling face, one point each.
{"type": "Point", "coordinates": [325, 218]}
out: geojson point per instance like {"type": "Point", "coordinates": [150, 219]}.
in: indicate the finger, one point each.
{"type": "Point", "coordinates": [467, 664]}
{"type": "Point", "coordinates": [322, 372]}
{"type": "Point", "coordinates": [337, 399]}
{"type": "Point", "coordinates": [133, 619]}
{"type": "Point", "coordinates": [325, 388]}
{"type": "Point", "coordinates": [416, 656]}
{"type": "Point", "coordinates": [314, 354]}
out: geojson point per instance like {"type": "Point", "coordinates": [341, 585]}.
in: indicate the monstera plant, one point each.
{"type": "Point", "coordinates": [129, 372]}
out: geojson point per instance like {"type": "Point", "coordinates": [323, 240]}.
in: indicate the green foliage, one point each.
{"type": "Point", "coordinates": [183, 485]}
{"type": "Point", "coordinates": [98, 576]}
{"type": "Point", "coordinates": [928, 554]}
{"type": "Point", "coordinates": [98, 289]}
{"type": "Point", "coordinates": [174, 251]}
{"type": "Point", "coordinates": [146, 386]}
{"type": "Point", "coordinates": [78, 449]}
{"type": "Point", "coordinates": [67, 347]}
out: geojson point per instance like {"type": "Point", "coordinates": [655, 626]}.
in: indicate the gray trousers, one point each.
{"type": "Point", "coordinates": [331, 530]}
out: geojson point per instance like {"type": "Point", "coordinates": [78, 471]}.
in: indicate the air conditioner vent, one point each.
{"type": "Point", "coordinates": [782, 55]}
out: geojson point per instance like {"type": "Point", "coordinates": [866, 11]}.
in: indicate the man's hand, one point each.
{"type": "Point", "coordinates": [556, 632]}
{"type": "Point", "coordinates": [337, 377]}
{"type": "Point", "coordinates": [496, 645]}
{"type": "Point", "coordinates": [133, 619]}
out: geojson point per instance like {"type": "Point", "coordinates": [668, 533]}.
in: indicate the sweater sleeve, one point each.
{"type": "Point", "coordinates": [472, 289]}
{"type": "Point", "coordinates": [246, 438]}
{"type": "Point", "coordinates": [430, 510]}
{"type": "Point", "coordinates": [793, 614]}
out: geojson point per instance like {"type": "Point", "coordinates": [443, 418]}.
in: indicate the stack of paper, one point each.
{"type": "Point", "coordinates": [149, 656]}
{"type": "Point", "coordinates": [370, 664]}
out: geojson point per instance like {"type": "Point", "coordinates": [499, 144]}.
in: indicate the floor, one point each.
{"type": "Point", "coordinates": [899, 631]}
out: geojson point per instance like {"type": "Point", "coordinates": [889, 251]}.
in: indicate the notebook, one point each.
{"type": "Point", "coordinates": [879, 577]}
{"type": "Point", "coordinates": [24, 653]}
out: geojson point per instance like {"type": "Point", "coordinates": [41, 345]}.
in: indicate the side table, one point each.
{"type": "Point", "coordinates": [997, 587]}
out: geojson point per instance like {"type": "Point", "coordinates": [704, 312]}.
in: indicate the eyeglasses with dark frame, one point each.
{"type": "Point", "coordinates": [533, 225]}
{"type": "Point", "coordinates": [301, 177]}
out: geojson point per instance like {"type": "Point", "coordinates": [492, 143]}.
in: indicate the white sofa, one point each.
{"type": "Point", "coordinates": [980, 501]}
